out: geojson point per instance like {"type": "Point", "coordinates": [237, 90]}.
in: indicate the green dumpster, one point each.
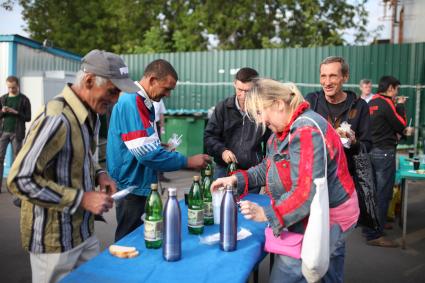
{"type": "Point", "coordinates": [192, 131]}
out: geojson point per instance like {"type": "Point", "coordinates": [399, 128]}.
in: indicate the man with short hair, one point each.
{"type": "Point", "coordinates": [55, 174]}
{"type": "Point", "coordinates": [365, 86]}
{"type": "Point", "coordinates": [134, 152]}
{"type": "Point", "coordinates": [15, 110]}
{"type": "Point", "coordinates": [337, 106]}
{"type": "Point", "coordinates": [388, 120]}
{"type": "Point", "coordinates": [230, 136]}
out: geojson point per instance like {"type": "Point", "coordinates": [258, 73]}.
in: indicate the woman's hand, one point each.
{"type": "Point", "coordinates": [223, 182]}
{"type": "Point", "coordinates": [253, 211]}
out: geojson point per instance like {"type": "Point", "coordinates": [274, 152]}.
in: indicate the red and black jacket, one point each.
{"type": "Point", "coordinates": [387, 120]}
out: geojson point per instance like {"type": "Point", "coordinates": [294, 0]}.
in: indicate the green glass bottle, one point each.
{"type": "Point", "coordinates": [208, 209]}
{"type": "Point", "coordinates": [208, 167]}
{"type": "Point", "coordinates": [231, 168]}
{"type": "Point", "coordinates": [195, 211]}
{"type": "Point", "coordinates": [153, 220]}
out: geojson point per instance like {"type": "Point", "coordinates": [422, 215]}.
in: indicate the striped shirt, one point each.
{"type": "Point", "coordinates": [52, 171]}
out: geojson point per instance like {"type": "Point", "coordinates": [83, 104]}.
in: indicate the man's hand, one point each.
{"type": "Point", "coordinates": [341, 132]}
{"type": "Point", "coordinates": [106, 184]}
{"type": "Point", "coordinates": [409, 131]}
{"type": "Point", "coordinates": [352, 136]}
{"type": "Point", "coordinates": [401, 99]}
{"type": "Point", "coordinates": [11, 110]}
{"type": "Point", "coordinates": [96, 202]}
{"type": "Point", "coordinates": [198, 161]}
{"type": "Point", "coordinates": [7, 109]}
{"type": "Point", "coordinates": [228, 157]}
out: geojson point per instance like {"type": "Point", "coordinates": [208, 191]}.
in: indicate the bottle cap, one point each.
{"type": "Point", "coordinates": [208, 172]}
{"type": "Point", "coordinates": [154, 187]}
{"type": "Point", "coordinates": [229, 188]}
{"type": "Point", "coordinates": [195, 178]}
{"type": "Point", "coordinates": [172, 192]}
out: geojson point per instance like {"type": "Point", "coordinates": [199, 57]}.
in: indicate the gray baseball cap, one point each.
{"type": "Point", "coordinates": [110, 66]}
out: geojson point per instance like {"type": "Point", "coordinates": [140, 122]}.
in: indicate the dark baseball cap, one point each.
{"type": "Point", "coordinates": [110, 66]}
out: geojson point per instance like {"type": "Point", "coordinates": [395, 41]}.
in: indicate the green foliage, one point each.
{"type": "Point", "coordinates": [135, 26]}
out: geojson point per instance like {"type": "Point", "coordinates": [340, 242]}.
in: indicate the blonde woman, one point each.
{"type": "Point", "coordinates": [294, 159]}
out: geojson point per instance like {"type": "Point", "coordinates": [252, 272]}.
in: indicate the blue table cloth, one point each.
{"type": "Point", "coordinates": [199, 263]}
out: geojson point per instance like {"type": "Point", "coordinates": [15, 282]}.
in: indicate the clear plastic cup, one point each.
{"type": "Point", "coordinates": [217, 196]}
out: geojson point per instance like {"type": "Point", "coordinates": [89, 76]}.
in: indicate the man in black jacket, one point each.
{"type": "Point", "coordinates": [230, 136]}
{"type": "Point", "coordinates": [15, 110]}
{"type": "Point", "coordinates": [339, 106]}
{"type": "Point", "coordinates": [388, 123]}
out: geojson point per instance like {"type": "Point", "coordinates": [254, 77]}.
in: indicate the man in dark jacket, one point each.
{"type": "Point", "coordinates": [339, 106]}
{"type": "Point", "coordinates": [388, 123]}
{"type": "Point", "coordinates": [230, 136]}
{"type": "Point", "coordinates": [15, 110]}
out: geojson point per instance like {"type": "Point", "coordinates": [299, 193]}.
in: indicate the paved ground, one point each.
{"type": "Point", "coordinates": [363, 263]}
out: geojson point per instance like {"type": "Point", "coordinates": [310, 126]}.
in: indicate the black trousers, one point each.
{"type": "Point", "coordinates": [129, 212]}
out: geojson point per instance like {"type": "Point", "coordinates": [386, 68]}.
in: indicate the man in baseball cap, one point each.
{"type": "Point", "coordinates": [63, 195]}
{"type": "Point", "coordinates": [110, 66]}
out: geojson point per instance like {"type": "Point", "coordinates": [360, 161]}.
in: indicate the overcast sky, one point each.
{"type": "Point", "coordinates": [12, 22]}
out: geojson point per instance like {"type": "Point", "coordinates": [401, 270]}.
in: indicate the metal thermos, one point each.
{"type": "Point", "coordinates": [228, 221]}
{"type": "Point", "coordinates": [172, 249]}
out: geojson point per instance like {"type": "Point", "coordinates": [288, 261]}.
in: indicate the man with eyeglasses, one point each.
{"type": "Point", "coordinates": [230, 136]}
{"type": "Point", "coordinates": [56, 176]}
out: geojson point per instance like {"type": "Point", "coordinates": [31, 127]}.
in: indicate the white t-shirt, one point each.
{"type": "Point", "coordinates": [369, 97]}
{"type": "Point", "coordinates": [159, 109]}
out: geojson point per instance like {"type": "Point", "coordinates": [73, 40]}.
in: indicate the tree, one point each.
{"type": "Point", "coordinates": [7, 4]}
{"type": "Point", "coordinates": [187, 25]}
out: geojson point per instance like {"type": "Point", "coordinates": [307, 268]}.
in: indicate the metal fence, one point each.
{"type": "Point", "coordinates": [206, 77]}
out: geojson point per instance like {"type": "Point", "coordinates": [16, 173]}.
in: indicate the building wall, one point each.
{"type": "Point", "coordinates": [30, 60]}
{"type": "Point", "coordinates": [4, 65]}
{"type": "Point", "coordinates": [414, 21]}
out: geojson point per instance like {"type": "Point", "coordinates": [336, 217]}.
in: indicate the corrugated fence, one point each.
{"type": "Point", "coordinates": [206, 77]}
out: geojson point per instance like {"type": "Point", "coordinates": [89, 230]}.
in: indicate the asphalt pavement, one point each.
{"type": "Point", "coordinates": [365, 264]}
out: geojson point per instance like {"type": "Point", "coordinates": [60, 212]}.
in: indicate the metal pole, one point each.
{"type": "Point", "coordinates": [417, 117]}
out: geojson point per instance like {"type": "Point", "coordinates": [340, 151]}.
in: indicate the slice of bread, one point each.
{"type": "Point", "coordinates": [133, 254]}
{"type": "Point", "coordinates": [123, 251]}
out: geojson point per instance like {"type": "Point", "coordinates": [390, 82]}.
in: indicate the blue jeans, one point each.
{"type": "Point", "coordinates": [287, 269]}
{"type": "Point", "coordinates": [384, 166]}
{"type": "Point", "coordinates": [220, 172]}
{"type": "Point", "coordinates": [5, 139]}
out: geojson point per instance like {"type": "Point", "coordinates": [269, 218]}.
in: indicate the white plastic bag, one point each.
{"type": "Point", "coordinates": [123, 193]}
{"type": "Point", "coordinates": [174, 141]}
{"type": "Point", "coordinates": [315, 253]}
{"type": "Point", "coordinates": [315, 249]}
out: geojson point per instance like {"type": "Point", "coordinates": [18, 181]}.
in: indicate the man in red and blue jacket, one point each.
{"type": "Point", "coordinates": [134, 152]}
